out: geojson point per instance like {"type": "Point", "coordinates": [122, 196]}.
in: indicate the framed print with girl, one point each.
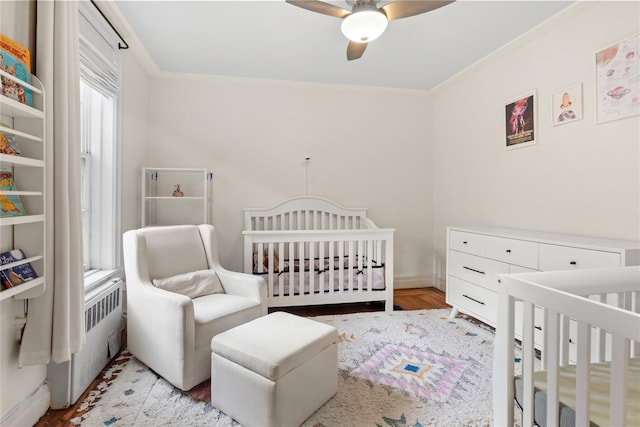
{"type": "Point", "coordinates": [520, 121]}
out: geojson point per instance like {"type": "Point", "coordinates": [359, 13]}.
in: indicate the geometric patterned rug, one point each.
{"type": "Point", "coordinates": [406, 368]}
{"type": "Point", "coordinates": [424, 374]}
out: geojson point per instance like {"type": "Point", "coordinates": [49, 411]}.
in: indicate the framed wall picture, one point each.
{"type": "Point", "coordinates": [618, 80]}
{"type": "Point", "coordinates": [520, 121]}
{"type": "Point", "coordinates": [566, 105]}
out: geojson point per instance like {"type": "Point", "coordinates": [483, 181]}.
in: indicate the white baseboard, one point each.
{"type": "Point", "coordinates": [408, 282]}
{"type": "Point", "coordinates": [29, 410]}
{"type": "Point", "coordinates": [440, 284]}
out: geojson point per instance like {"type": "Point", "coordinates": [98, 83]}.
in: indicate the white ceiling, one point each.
{"type": "Point", "coordinates": [274, 40]}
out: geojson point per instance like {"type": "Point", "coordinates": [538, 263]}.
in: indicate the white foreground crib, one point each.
{"type": "Point", "coordinates": [587, 316]}
{"type": "Point", "coordinates": [312, 251]}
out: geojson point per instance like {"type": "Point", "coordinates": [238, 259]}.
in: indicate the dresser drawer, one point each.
{"type": "Point", "coordinates": [556, 257]}
{"type": "Point", "coordinates": [472, 299]}
{"type": "Point", "coordinates": [512, 251]}
{"type": "Point", "coordinates": [475, 269]}
{"type": "Point", "coordinates": [470, 243]}
{"type": "Point", "coordinates": [515, 269]}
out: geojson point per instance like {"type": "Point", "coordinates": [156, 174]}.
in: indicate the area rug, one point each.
{"type": "Point", "coordinates": [406, 368]}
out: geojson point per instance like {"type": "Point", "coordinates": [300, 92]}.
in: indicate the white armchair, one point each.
{"type": "Point", "coordinates": [168, 330]}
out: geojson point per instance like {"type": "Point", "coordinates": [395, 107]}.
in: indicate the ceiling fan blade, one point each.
{"type": "Point", "coordinates": [405, 8]}
{"type": "Point", "coordinates": [355, 50]}
{"type": "Point", "coordinates": [321, 7]}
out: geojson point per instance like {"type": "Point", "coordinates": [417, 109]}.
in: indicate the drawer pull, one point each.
{"type": "Point", "coordinates": [464, 243]}
{"type": "Point", "coordinates": [473, 269]}
{"type": "Point", "coordinates": [573, 263]}
{"type": "Point", "coordinates": [508, 251]}
{"type": "Point", "coordinates": [538, 327]}
{"type": "Point", "coordinates": [473, 299]}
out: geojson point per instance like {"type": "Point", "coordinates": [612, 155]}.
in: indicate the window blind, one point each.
{"type": "Point", "coordinates": [99, 54]}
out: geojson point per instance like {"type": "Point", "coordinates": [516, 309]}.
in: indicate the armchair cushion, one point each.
{"type": "Point", "coordinates": [192, 284]}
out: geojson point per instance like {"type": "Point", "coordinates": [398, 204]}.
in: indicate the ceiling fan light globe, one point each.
{"type": "Point", "coordinates": [364, 26]}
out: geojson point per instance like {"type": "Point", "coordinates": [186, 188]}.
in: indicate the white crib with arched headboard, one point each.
{"type": "Point", "coordinates": [311, 251]}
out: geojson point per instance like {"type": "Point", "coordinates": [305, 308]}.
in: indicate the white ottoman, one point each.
{"type": "Point", "coordinates": [276, 370]}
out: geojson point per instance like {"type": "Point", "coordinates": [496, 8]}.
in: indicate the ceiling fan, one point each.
{"type": "Point", "coordinates": [366, 21]}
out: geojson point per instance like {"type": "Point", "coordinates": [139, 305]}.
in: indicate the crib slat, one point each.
{"type": "Point", "coordinates": [619, 389]}
{"type": "Point", "coordinates": [301, 269]}
{"type": "Point", "coordinates": [528, 359]}
{"type": "Point", "coordinates": [321, 266]}
{"type": "Point", "coordinates": [292, 269]}
{"type": "Point", "coordinates": [503, 365]}
{"type": "Point", "coordinates": [281, 270]}
{"type": "Point", "coordinates": [341, 266]}
{"type": "Point", "coordinates": [635, 307]}
{"type": "Point", "coordinates": [312, 268]}
{"type": "Point", "coordinates": [350, 258]}
{"type": "Point", "coordinates": [553, 362]}
{"type": "Point", "coordinates": [543, 328]}
{"type": "Point", "coordinates": [331, 267]}
{"type": "Point", "coordinates": [270, 268]}
{"type": "Point", "coordinates": [583, 371]}
{"type": "Point", "coordinates": [564, 340]}
{"type": "Point", "coordinates": [360, 266]}
{"type": "Point", "coordinates": [369, 265]}
{"type": "Point", "coordinates": [600, 335]}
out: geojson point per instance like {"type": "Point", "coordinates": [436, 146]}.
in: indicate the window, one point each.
{"type": "Point", "coordinates": [100, 100]}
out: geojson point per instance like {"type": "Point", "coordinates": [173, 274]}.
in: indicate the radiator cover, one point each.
{"type": "Point", "coordinates": [103, 320]}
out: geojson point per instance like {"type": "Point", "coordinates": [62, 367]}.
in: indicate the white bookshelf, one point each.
{"type": "Point", "coordinates": [26, 232]}
{"type": "Point", "coordinates": [161, 207]}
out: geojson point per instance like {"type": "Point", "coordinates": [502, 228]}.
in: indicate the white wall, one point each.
{"type": "Point", "coordinates": [581, 178]}
{"type": "Point", "coordinates": [369, 147]}
{"type": "Point", "coordinates": [135, 138]}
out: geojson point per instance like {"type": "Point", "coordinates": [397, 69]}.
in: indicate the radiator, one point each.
{"type": "Point", "coordinates": [103, 320]}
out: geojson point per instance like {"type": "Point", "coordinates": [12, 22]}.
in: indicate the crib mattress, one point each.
{"type": "Point", "coordinates": [326, 275]}
{"type": "Point", "coordinates": [322, 281]}
{"type": "Point", "coordinates": [599, 404]}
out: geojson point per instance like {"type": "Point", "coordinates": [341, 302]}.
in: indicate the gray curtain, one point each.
{"type": "Point", "coordinates": [55, 323]}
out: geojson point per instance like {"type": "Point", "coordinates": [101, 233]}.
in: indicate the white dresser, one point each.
{"type": "Point", "coordinates": [476, 255]}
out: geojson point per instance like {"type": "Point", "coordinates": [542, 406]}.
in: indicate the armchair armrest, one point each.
{"type": "Point", "coordinates": [242, 284]}
{"type": "Point", "coordinates": [161, 330]}
{"type": "Point", "coordinates": [233, 282]}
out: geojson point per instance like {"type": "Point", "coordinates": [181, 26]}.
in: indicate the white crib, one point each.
{"type": "Point", "coordinates": [312, 251]}
{"type": "Point", "coordinates": [587, 316]}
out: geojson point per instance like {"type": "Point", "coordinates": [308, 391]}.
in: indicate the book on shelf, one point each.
{"type": "Point", "coordinates": [15, 59]}
{"type": "Point", "coordinates": [18, 274]}
{"type": "Point", "coordinates": [8, 144]}
{"type": "Point", "coordinates": [10, 204]}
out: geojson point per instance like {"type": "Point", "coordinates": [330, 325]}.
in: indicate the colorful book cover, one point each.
{"type": "Point", "coordinates": [8, 144]}
{"type": "Point", "coordinates": [15, 59]}
{"type": "Point", "coordinates": [17, 275]}
{"type": "Point", "coordinates": [10, 205]}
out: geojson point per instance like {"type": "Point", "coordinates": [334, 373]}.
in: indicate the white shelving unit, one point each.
{"type": "Point", "coordinates": [161, 207]}
{"type": "Point", "coordinates": [26, 232]}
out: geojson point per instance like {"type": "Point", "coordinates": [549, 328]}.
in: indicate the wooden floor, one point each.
{"type": "Point", "coordinates": [405, 299]}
